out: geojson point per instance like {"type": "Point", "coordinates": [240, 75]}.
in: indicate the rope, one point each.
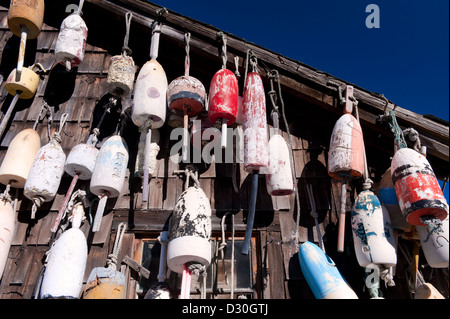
{"type": "Point", "coordinates": [236, 64]}
{"type": "Point", "coordinates": [57, 135]}
{"type": "Point", "coordinates": [187, 61]}
{"type": "Point", "coordinates": [198, 270]}
{"type": "Point", "coordinates": [112, 258]}
{"type": "Point", "coordinates": [222, 37]}
{"type": "Point", "coordinates": [80, 7]}
{"type": "Point", "coordinates": [77, 194]}
{"type": "Point", "coordinates": [386, 276]}
{"type": "Point", "coordinates": [413, 135]}
{"type": "Point", "coordinates": [6, 197]}
{"type": "Point", "coordinates": [48, 113]}
{"type": "Point", "coordinates": [395, 128]}
{"type": "Point", "coordinates": [125, 49]}
{"type": "Point", "coordinates": [222, 246]}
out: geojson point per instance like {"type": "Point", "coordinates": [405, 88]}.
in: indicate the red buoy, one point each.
{"type": "Point", "coordinates": [417, 188]}
{"type": "Point", "coordinates": [223, 99]}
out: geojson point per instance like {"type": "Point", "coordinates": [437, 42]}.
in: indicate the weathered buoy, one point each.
{"type": "Point", "coordinates": [19, 158]}
{"type": "Point", "coordinates": [149, 108]}
{"type": "Point", "coordinates": [223, 100]}
{"type": "Point", "coordinates": [7, 227]}
{"type": "Point", "coordinates": [64, 272]}
{"type": "Point", "coordinates": [388, 197]}
{"type": "Point", "coordinates": [71, 42]}
{"type": "Point", "coordinates": [322, 275]}
{"type": "Point", "coordinates": [186, 94]}
{"type": "Point", "coordinates": [418, 191]}
{"type": "Point", "coordinates": [153, 153]}
{"type": "Point", "coordinates": [46, 172]}
{"type": "Point", "coordinates": [434, 240]}
{"type": "Point", "coordinates": [25, 20]}
{"type": "Point", "coordinates": [121, 67]}
{"type": "Point", "coordinates": [107, 282]}
{"type": "Point", "coordinates": [109, 173]}
{"type": "Point", "coordinates": [373, 236]}
{"type": "Point", "coordinates": [279, 181]}
{"type": "Point", "coordinates": [427, 291]}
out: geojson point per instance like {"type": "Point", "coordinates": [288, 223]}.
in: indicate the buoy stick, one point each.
{"type": "Point", "coordinates": [99, 214]}
{"type": "Point", "coordinates": [341, 228]}
{"type": "Point", "coordinates": [251, 214]}
{"type": "Point", "coordinates": [8, 113]}
{"type": "Point", "coordinates": [163, 238]}
{"type": "Point", "coordinates": [224, 132]}
{"type": "Point", "coordinates": [185, 283]}
{"type": "Point", "coordinates": [185, 134]}
{"type": "Point", "coordinates": [21, 58]}
{"type": "Point", "coordinates": [148, 140]}
{"type": "Point", "coordinates": [64, 204]}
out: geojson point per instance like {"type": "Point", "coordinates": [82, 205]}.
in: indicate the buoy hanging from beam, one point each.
{"type": "Point", "coordinates": [149, 108]}
{"type": "Point", "coordinates": [71, 41]}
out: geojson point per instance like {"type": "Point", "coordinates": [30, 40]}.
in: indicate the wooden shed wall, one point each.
{"type": "Point", "coordinates": [82, 94]}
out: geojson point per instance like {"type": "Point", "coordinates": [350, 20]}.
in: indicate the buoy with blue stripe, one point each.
{"type": "Point", "coordinates": [64, 272]}
{"type": "Point", "coordinates": [150, 102]}
{"type": "Point", "coordinates": [434, 239]}
{"type": "Point", "coordinates": [322, 274]}
{"type": "Point", "coordinates": [109, 173]}
{"type": "Point", "coordinates": [373, 236]}
{"type": "Point", "coordinates": [71, 42]}
{"type": "Point", "coordinates": [419, 194]}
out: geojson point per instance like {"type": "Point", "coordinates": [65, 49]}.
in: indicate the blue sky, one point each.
{"type": "Point", "coordinates": [406, 58]}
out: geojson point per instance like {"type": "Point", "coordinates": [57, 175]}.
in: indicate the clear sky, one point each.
{"type": "Point", "coordinates": [406, 58]}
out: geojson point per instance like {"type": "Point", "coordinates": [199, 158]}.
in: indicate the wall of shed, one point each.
{"type": "Point", "coordinates": [81, 94]}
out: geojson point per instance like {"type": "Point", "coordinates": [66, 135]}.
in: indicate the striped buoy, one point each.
{"type": "Point", "coordinates": [434, 239]}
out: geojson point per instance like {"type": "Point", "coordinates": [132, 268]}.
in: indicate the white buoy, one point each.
{"type": "Point", "coordinates": [153, 153]}
{"type": "Point", "coordinates": [71, 41]}
{"type": "Point", "coordinates": [109, 173]}
{"type": "Point", "coordinates": [46, 172]}
{"type": "Point", "coordinates": [7, 226]}
{"type": "Point", "coordinates": [63, 277]}
{"type": "Point", "coordinates": [372, 232]}
{"type": "Point", "coordinates": [279, 181]}
{"type": "Point", "coordinates": [19, 158]}
{"type": "Point", "coordinates": [434, 242]}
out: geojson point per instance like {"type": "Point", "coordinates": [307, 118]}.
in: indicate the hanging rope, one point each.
{"type": "Point", "coordinates": [187, 60]}
{"type": "Point", "coordinates": [413, 135]}
{"type": "Point", "coordinates": [222, 246]}
{"type": "Point", "coordinates": [44, 112]}
{"type": "Point", "coordinates": [57, 135]}
{"type": "Point", "coordinates": [112, 258]}
{"type": "Point", "coordinates": [6, 197]}
{"type": "Point", "coordinates": [126, 49]}
{"type": "Point", "coordinates": [223, 54]}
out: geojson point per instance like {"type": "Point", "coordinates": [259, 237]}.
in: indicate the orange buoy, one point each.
{"type": "Point", "coordinates": [417, 188]}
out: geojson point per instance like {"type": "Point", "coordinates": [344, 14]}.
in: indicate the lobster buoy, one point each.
{"type": "Point", "coordinates": [346, 156]}
{"type": "Point", "coordinates": [279, 180]}
{"type": "Point", "coordinates": [7, 227]}
{"type": "Point", "coordinates": [19, 158]}
{"type": "Point", "coordinates": [71, 41]}
{"type": "Point", "coordinates": [28, 14]}
{"type": "Point", "coordinates": [254, 124]}
{"type": "Point", "coordinates": [418, 192]}
{"type": "Point", "coordinates": [434, 242]}
{"type": "Point", "coordinates": [81, 161]}
{"type": "Point", "coordinates": [373, 236]}
{"type": "Point", "coordinates": [63, 277]}
{"type": "Point", "coordinates": [427, 291]}
{"type": "Point", "coordinates": [46, 172]}
{"type": "Point", "coordinates": [109, 173]}
{"type": "Point", "coordinates": [153, 150]}
{"type": "Point", "coordinates": [27, 85]}
{"type": "Point", "coordinates": [388, 198]}
{"type": "Point", "coordinates": [223, 100]}
{"type": "Point", "coordinates": [190, 231]}
{"type": "Point", "coordinates": [322, 275]}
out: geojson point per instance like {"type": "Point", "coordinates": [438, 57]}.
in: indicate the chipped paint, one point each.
{"type": "Point", "coordinates": [81, 160]}
{"type": "Point", "coordinates": [372, 231]}
{"type": "Point", "coordinates": [279, 180]}
{"type": "Point", "coordinates": [121, 74]}
{"type": "Point", "coordinates": [416, 186]}
{"type": "Point", "coordinates": [223, 97]}
{"type": "Point", "coordinates": [7, 226]}
{"type": "Point", "coordinates": [186, 92]}
{"type": "Point", "coordinates": [435, 243]}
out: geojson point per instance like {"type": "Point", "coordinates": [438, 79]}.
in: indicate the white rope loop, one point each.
{"type": "Point", "coordinates": [112, 258]}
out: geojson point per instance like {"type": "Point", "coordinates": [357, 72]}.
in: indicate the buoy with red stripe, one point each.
{"type": "Point", "coordinates": [189, 247]}
{"type": "Point", "coordinates": [109, 173]}
{"type": "Point", "coordinates": [64, 272]}
{"type": "Point", "coordinates": [7, 228]}
{"type": "Point", "coordinates": [71, 42]}
{"type": "Point", "coordinates": [149, 108]}
{"type": "Point", "coordinates": [255, 138]}
{"type": "Point", "coordinates": [434, 239]}
{"type": "Point", "coordinates": [417, 188]}
{"type": "Point", "coordinates": [121, 67]}
{"type": "Point", "coordinates": [346, 156]}
{"type": "Point", "coordinates": [187, 94]}
{"type": "Point", "coordinates": [25, 19]}
{"type": "Point", "coordinates": [223, 96]}
{"type": "Point", "coordinates": [46, 172]}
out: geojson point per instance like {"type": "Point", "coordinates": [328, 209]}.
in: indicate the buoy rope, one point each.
{"type": "Point", "coordinates": [413, 135]}
{"type": "Point", "coordinates": [112, 258]}
{"type": "Point", "coordinates": [44, 112]}
{"type": "Point", "coordinates": [236, 64]}
{"type": "Point", "coordinates": [187, 60]}
{"type": "Point", "coordinates": [126, 49]}
{"type": "Point", "coordinates": [222, 246]}
{"type": "Point", "coordinates": [57, 135]}
{"type": "Point", "coordinates": [223, 53]}
{"type": "Point", "coordinates": [6, 197]}
{"type": "Point", "coordinates": [396, 130]}
{"type": "Point", "coordinates": [81, 194]}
